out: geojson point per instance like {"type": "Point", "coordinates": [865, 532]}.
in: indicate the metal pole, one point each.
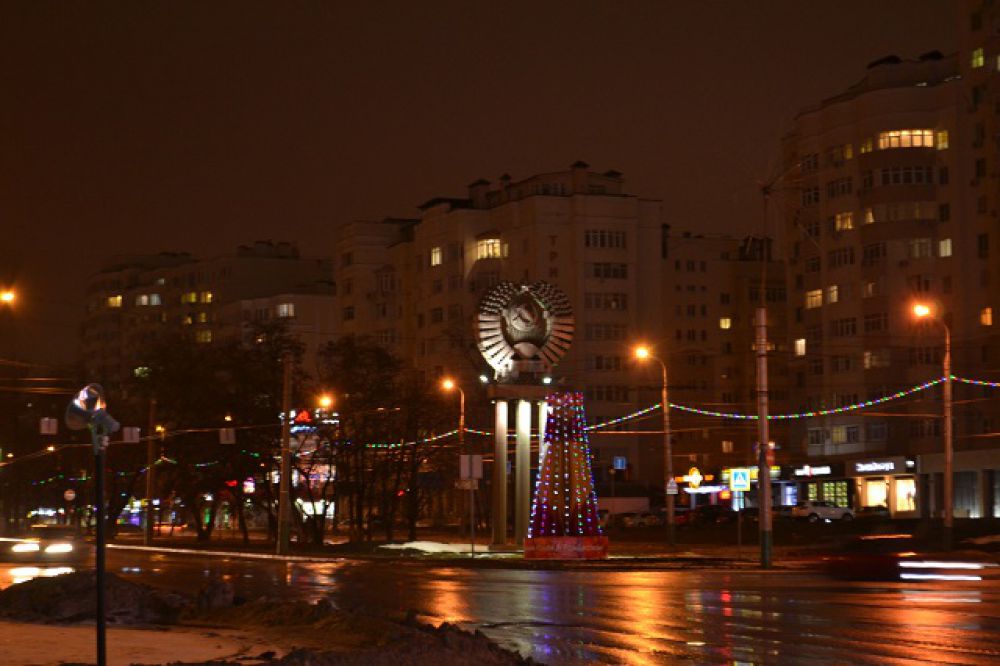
{"type": "Point", "coordinates": [764, 444]}
{"type": "Point", "coordinates": [668, 457]}
{"type": "Point", "coordinates": [948, 480]}
{"type": "Point", "coordinates": [284, 508]}
{"type": "Point", "coordinates": [150, 461]}
{"type": "Point", "coordinates": [499, 510]}
{"type": "Point", "coordinates": [472, 493]}
{"type": "Point", "coordinates": [100, 442]}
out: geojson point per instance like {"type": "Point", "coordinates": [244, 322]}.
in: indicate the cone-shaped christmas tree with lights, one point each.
{"type": "Point", "coordinates": [564, 520]}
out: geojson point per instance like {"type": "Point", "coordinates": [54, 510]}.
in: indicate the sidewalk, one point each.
{"type": "Point", "coordinates": [28, 643]}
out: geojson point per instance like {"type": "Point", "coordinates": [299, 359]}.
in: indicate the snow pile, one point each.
{"type": "Point", "coordinates": [72, 597]}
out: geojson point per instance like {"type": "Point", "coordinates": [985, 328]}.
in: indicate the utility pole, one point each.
{"type": "Point", "coordinates": [763, 435]}
{"type": "Point", "coordinates": [949, 510]}
{"type": "Point", "coordinates": [284, 507]}
{"type": "Point", "coordinates": [150, 462]}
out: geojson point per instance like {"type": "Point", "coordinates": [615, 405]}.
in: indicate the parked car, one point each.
{"type": "Point", "coordinates": [711, 514]}
{"type": "Point", "coordinates": [649, 519]}
{"type": "Point", "coordinates": [816, 510]}
{"type": "Point", "coordinates": [627, 519]}
{"type": "Point", "coordinates": [873, 512]}
{"type": "Point", "coordinates": [49, 543]}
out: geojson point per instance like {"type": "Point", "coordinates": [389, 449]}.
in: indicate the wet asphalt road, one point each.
{"type": "Point", "coordinates": [633, 617]}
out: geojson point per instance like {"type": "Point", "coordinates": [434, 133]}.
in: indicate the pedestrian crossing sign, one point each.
{"type": "Point", "coordinates": [739, 479]}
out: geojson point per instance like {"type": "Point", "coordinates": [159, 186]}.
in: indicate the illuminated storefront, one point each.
{"type": "Point", "coordinates": [825, 481]}
{"type": "Point", "coordinates": [886, 482]}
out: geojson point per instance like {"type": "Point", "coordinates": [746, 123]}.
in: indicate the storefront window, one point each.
{"type": "Point", "coordinates": [812, 492]}
{"type": "Point", "coordinates": [835, 492]}
{"type": "Point", "coordinates": [906, 495]}
{"type": "Point", "coordinates": [966, 497]}
{"type": "Point", "coordinates": [876, 493]}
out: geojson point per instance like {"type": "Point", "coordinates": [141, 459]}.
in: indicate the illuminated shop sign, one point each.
{"type": "Point", "coordinates": [883, 466]}
{"type": "Point", "coordinates": [809, 470]}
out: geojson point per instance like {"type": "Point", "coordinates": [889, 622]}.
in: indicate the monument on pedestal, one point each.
{"type": "Point", "coordinates": [522, 332]}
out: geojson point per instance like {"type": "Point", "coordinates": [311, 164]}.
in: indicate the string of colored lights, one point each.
{"type": "Point", "coordinates": [587, 428]}
{"type": "Point", "coordinates": [797, 415]}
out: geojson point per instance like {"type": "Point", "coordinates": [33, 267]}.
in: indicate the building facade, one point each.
{"type": "Point", "coordinates": [134, 299]}
{"type": "Point", "coordinates": [415, 284]}
{"type": "Point", "coordinates": [888, 205]}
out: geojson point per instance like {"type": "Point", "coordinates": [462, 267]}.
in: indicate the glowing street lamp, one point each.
{"type": "Point", "coordinates": [643, 353]}
{"type": "Point", "coordinates": [449, 384]}
{"type": "Point", "coordinates": [8, 296]}
{"type": "Point", "coordinates": [325, 401]}
{"type": "Point", "coordinates": [923, 311]}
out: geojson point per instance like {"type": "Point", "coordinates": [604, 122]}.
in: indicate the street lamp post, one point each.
{"type": "Point", "coordinates": [644, 353]}
{"type": "Point", "coordinates": [922, 311]}
{"type": "Point", "coordinates": [448, 385]}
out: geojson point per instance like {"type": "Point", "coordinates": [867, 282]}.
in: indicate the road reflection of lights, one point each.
{"type": "Point", "coordinates": [696, 643]}
{"type": "Point", "coordinates": [943, 596]}
{"type": "Point", "coordinates": [449, 601]}
{"type": "Point", "coordinates": [913, 576]}
{"type": "Point", "coordinates": [132, 570]}
{"type": "Point", "coordinates": [24, 574]}
{"type": "Point", "coordinates": [923, 564]}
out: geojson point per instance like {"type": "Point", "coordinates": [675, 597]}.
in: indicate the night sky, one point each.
{"type": "Point", "coordinates": [141, 127]}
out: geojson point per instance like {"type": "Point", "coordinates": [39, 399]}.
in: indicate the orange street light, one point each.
{"type": "Point", "coordinates": [449, 384]}
{"type": "Point", "coordinates": [642, 352]}
{"type": "Point", "coordinates": [8, 296]}
{"type": "Point", "coordinates": [921, 311]}
{"type": "Point", "coordinates": [325, 401]}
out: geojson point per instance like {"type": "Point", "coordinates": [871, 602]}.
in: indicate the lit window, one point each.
{"type": "Point", "coordinates": [142, 299]}
{"type": "Point", "coordinates": [725, 323]}
{"type": "Point", "coordinates": [189, 297]}
{"type": "Point", "coordinates": [489, 248]}
{"type": "Point", "coordinates": [978, 58]}
{"type": "Point", "coordinates": [832, 294]}
{"type": "Point", "coordinates": [205, 297]}
{"type": "Point", "coordinates": [843, 221]}
{"type": "Point", "coordinates": [187, 320]}
{"type": "Point", "coordinates": [869, 216]}
{"type": "Point", "coordinates": [908, 138]}
{"type": "Point", "coordinates": [203, 336]}
{"type": "Point", "coordinates": [986, 316]}
{"type": "Point", "coordinates": [727, 446]}
{"type": "Point", "coordinates": [141, 371]}
{"type": "Point", "coordinates": [202, 317]}
{"type": "Point", "coordinates": [114, 301]}
{"type": "Point", "coordinates": [436, 256]}
{"type": "Point", "coordinates": [941, 139]}
{"type": "Point", "coordinates": [944, 247]}
{"type": "Point", "coordinates": [814, 298]}
{"type": "Point", "coordinates": [154, 299]}
{"type": "Point", "coordinates": [800, 347]}
{"type": "Point", "coordinates": [286, 309]}
{"type": "Point", "coordinates": [865, 146]}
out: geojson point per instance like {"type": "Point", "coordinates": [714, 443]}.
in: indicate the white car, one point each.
{"type": "Point", "coordinates": [816, 510]}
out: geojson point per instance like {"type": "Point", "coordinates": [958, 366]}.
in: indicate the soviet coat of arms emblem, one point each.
{"type": "Point", "coordinates": [524, 329]}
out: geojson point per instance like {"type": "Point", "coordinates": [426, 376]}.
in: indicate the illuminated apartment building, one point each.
{"type": "Point", "coordinates": [414, 285]}
{"type": "Point", "coordinates": [891, 201]}
{"type": "Point", "coordinates": [133, 299]}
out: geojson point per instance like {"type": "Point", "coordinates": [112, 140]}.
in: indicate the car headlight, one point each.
{"type": "Point", "coordinates": [59, 548]}
{"type": "Point", "coordinates": [29, 547]}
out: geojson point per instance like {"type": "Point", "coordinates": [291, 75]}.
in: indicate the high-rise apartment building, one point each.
{"type": "Point", "coordinates": [414, 285]}
{"type": "Point", "coordinates": [132, 299]}
{"type": "Point", "coordinates": [891, 202]}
